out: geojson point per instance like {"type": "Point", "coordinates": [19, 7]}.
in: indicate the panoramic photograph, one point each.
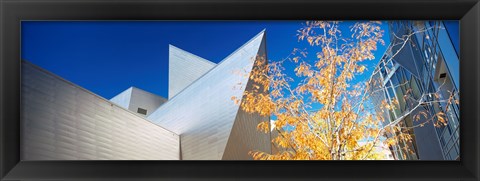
{"type": "Point", "coordinates": [240, 90]}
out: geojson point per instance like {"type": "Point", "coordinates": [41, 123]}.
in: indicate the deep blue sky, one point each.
{"type": "Point", "coordinates": [107, 57]}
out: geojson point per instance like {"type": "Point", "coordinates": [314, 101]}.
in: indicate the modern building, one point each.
{"type": "Point", "coordinates": [138, 101]}
{"type": "Point", "coordinates": [422, 59]}
{"type": "Point", "coordinates": [199, 121]}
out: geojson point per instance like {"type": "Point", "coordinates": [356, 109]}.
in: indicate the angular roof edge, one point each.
{"type": "Point", "coordinates": [170, 46]}
{"type": "Point", "coordinates": [262, 33]}
{"type": "Point", "coordinates": [90, 92]}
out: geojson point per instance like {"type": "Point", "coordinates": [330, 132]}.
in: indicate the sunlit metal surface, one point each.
{"type": "Point", "coordinates": [134, 98]}
{"type": "Point", "coordinates": [183, 69]}
{"type": "Point", "coordinates": [61, 121]}
{"type": "Point", "coordinates": [203, 113]}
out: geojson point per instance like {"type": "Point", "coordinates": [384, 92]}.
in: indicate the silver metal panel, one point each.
{"type": "Point", "coordinates": [183, 69]}
{"type": "Point", "coordinates": [203, 113]}
{"type": "Point", "coordinates": [245, 137]}
{"type": "Point", "coordinates": [275, 148]}
{"type": "Point", "coordinates": [61, 121]}
{"type": "Point", "coordinates": [123, 99]}
{"type": "Point", "coordinates": [134, 98]}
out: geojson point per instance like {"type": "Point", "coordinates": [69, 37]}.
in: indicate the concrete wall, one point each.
{"type": "Point", "coordinates": [62, 121]}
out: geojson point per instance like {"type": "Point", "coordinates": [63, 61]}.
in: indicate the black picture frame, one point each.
{"type": "Point", "coordinates": [14, 11]}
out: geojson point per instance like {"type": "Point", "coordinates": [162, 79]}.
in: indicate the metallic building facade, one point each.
{"type": "Point", "coordinates": [62, 121]}
{"type": "Point", "coordinates": [204, 112]}
{"type": "Point", "coordinates": [427, 63]}
{"type": "Point", "coordinates": [184, 68]}
{"type": "Point", "coordinates": [138, 101]}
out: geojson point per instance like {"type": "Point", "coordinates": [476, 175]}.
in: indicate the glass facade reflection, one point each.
{"type": "Point", "coordinates": [422, 59]}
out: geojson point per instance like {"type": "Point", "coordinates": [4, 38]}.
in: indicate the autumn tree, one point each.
{"type": "Point", "coordinates": [327, 110]}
